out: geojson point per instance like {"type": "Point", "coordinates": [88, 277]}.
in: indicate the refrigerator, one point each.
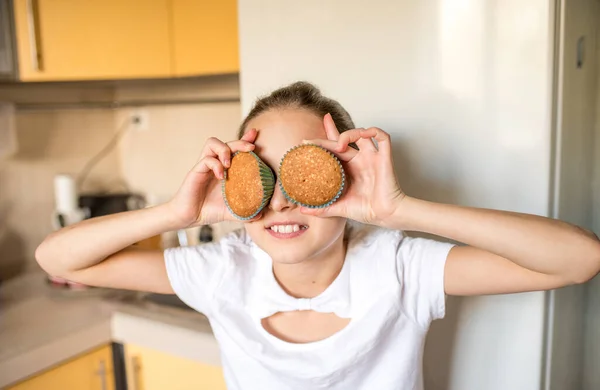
{"type": "Point", "coordinates": [489, 104]}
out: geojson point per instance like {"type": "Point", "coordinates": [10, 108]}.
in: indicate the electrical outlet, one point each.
{"type": "Point", "coordinates": [139, 120]}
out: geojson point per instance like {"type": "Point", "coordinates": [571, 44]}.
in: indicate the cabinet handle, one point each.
{"type": "Point", "coordinates": [34, 37]}
{"type": "Point", "coordinates": [102, 374]}
{"type": "Point", "coordinates": [137, 368]}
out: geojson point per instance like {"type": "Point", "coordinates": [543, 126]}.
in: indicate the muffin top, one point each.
{"type": "Point", "coordinates": [310, 175]}
{"type": "Point", "coordinates": [243, 186]}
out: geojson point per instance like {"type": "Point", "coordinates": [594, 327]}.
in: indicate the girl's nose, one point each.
{"type": "Point", "coordinates": [279, 202]}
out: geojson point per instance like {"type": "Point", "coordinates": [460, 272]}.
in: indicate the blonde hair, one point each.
{"type": "Point", "coordinates": [302, 95]}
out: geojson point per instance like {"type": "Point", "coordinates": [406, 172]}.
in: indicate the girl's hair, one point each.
{"type": "Point", "coordinates": [303, 95]}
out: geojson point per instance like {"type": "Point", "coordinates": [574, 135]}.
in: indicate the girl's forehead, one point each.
{"type": "Point", "coordinates": [279, 131]}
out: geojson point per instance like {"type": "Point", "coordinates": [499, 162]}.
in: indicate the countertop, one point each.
{"type": "Point", "coordinates": [41, 326]}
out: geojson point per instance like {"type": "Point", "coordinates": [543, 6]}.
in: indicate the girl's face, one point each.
{"type": "Point", "coordinates": [279, 131]}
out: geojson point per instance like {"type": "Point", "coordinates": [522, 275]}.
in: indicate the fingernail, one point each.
{"type": "Point", "coordinates": [224, 175]}
{"type": "Point", "coordinates": [227, 162]}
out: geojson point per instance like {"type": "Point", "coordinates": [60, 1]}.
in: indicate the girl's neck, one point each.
{"type": "Point", "coordinates": [311, 277]}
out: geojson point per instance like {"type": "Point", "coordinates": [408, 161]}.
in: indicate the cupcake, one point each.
{"type": "Point", "coordinates": [248, 185]}
{"type": "Point", "coordinates": [311, 176]}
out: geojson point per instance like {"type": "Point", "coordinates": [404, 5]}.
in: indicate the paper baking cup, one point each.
{"type": "Point", "coordinates": [329, 203]}
{"type": "Point", "coordinates": [268, 186]}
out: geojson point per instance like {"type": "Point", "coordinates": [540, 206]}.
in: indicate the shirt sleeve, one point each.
{"type": "Point", "coordinates": [195, 272]}
{"type": "Point", "coordinates": [420, 266]}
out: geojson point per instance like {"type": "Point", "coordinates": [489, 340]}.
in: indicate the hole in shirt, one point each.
{"type": "Point", "coordinates": [306, 326]}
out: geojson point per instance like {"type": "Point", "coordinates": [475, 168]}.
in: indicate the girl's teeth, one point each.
{"type": "Point", "coordinates": [285, 228]}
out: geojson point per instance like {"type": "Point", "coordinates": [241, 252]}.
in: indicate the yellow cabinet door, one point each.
{"type": "Point", "coordinates": [205, 37]}
{"type": "Point", "coordinates": [93, 371]}
{"type": "Point", "coordinates": [148, 369]}
{"type": "Point", "coordinates": [92, 39]}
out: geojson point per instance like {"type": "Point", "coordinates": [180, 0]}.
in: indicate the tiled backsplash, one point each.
{"type": "Point", "coordinates": [151, 162]}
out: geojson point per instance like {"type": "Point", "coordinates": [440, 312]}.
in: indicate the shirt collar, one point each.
{"type": "Point", "coordinates": [266, 297]}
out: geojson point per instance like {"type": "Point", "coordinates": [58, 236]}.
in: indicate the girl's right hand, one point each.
{"type": "Point", "coordinates": [199, 200]}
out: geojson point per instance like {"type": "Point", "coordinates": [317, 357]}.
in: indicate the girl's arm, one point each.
{"type": "Point", "coordinates": [505, 252]}
{"type": "Point", "coordinates": [98, 251]}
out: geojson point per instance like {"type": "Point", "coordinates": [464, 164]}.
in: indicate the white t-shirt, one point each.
{"type": "Point", "coordinates": [391, 287]}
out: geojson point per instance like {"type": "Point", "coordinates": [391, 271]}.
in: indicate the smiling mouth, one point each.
{"type": "Point", "coordinates": [286, 230]}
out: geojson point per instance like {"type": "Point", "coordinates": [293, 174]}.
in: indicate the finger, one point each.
{"type": "Point", "coordinates": [258, 217]}
{"type": "Point", "coordinates": [352, 136]}
{"type": "Point", "coordinates": [208, 164]}
{"type": "Point", "coordinates": [250, 135]}
{"type": "Point", "coordinates": [240, 146]}
{"type": "Point", "coordinates": [335, 210]}
{"type": "Point", "coordinates": [330, 128]}
{"type": "Point", "coordinates": [230, 217]}
{"type": "Point", "coordinates": [366, 144]}
{"type": "Point", "coordinates": [333, 147]}
{"type": "Point", "coordinates": [384, 141]}
{"type": "Point", "coordinates": [216, 147]}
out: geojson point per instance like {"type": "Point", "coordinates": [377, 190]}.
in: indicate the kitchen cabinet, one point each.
{"type": "Point", "coordinates": [92, 39]}
{"type": "Point", "coordinates": [92, 371]}
{"type": "Point", "coordinates": [66, 40]}
{"type": "Point", "coordinates": [148, 369]}
{"type": "Point", "coordinates": [205, 37]}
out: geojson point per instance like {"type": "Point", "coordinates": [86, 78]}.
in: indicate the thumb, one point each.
{"type": "Point", "coordinates": [335, 210]}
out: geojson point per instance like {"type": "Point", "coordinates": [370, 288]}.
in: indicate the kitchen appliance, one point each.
{"type": "Point", "coordinates": [488, 104]}
{"type": "Point", "coordinates": [66, 209]}
{"type": "Point", "coordinates": [105, 204]}
{"type": "Point", "coordinates": [8, 51]}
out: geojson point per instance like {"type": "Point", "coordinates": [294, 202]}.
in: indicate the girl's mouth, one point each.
{"type": "Point", "coordinates": [286, 229]}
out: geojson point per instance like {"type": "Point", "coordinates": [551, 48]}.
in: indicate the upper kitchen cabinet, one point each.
{"type": "Point", "coordinates": [61, 40]}
{"type": "Point", "coordinates": [67, 40]}
{"type": "Point", "coordinates": [205, 37]}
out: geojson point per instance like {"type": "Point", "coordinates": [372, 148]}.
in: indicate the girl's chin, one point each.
{"type": "Point", "coordinates": [288, 255]}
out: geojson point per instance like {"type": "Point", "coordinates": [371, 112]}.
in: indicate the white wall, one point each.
{"type": "Point", "coordinates": [464, 88]}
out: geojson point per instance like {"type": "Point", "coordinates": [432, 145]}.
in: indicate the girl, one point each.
{"type": "Point", "coordinates": [327, 305]}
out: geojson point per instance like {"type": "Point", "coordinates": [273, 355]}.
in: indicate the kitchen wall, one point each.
{"type": "Point", "coordinates": [50, 142]}
{"type": "Point", "coordinates": [154, 162]}
{"type": "Point", "coordinates": [465, 91]}
{"type": "Point", "coordinates": [151, 162]}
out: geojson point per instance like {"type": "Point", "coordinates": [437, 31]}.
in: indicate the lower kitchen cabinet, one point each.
{"type": "Point", "coordinates": [148, 369]}
{"type": "Point", "coordinates": [91, 371]}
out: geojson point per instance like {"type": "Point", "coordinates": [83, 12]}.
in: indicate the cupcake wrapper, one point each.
{"type": "Point", "coordinates": [335, 198]}
{"type": "Point", "coordinates": [268, 186]}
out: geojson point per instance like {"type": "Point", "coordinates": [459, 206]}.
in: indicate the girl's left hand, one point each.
{"type": "Point", "coordinates": [372, 192]}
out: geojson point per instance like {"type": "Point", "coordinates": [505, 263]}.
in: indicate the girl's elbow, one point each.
{"type": "Point", "coordinates": [41, 256]}
{"type": "Point", "coordinates": [592, 266]}
{"type": "Point", "coordinates": [45, 258]}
